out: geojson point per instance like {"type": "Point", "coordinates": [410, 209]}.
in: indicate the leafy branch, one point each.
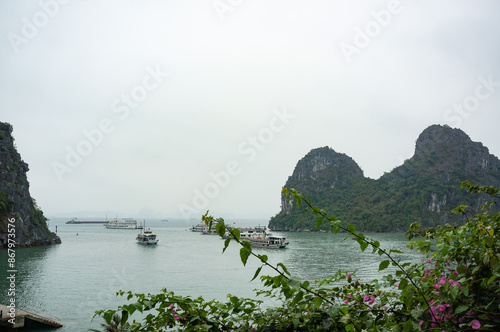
{"type": "Point", "coordinates": [246, 251]}
{"type": "Point", "coordinates": [359, 237]}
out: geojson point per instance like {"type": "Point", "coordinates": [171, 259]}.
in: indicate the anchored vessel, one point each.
{"type": "Point", "coordinates": [261, 237]}
{"type": "Point", "coordinates": [76, 221]}
{"type": "Point", "coordinates": [266, 240]}
{"type": "Point", "coordinates": [147, 237]}
{"type": "Point", "coordinates": [198, 228]}
{"type": "Point", "coordinates": [123, 224]}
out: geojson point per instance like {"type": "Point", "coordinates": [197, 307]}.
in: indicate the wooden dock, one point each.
{"type": "Point", "coordinates": [24, 319]}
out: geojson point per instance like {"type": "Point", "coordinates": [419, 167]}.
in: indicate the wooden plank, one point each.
{"type": "Point", "coordinates": [22, 316]}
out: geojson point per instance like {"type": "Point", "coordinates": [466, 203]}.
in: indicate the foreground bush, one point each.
{"type": "Point", "coordinates": [455, 287]}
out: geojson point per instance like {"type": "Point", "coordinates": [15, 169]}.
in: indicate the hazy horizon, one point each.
{"type": "Point", "coordinates": [174, 108]}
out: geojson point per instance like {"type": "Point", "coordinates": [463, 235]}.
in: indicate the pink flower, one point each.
{"type": "Point", "coordinates": [385, 308]}
{"type": "Point", "coordinates": [475, 324]}
{"type": "Point", "coordinates": [349, 296]}
{"type": "Point", "coordinates": [428, 260]}
{"type": "Point", "coordinates": [345, 301]}
{"type": "Point", "coordinates": [447, 263]}
{"type": "Point", "coordinates": [371, 300]}
{"type": "Point", "coordinates": [421, 322]}
{"type": "Point", "coordinates": [176, 317]}
{"type": "Point", "coordinates": [366, 298]}
{"type": "Point", "coordinates": [437, 286]}
{"type": "Point", "coordinates": [348, 276]}
{"type": "Point", "coordinates": [171, 305]}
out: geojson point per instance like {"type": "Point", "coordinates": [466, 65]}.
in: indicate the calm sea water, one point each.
{"type": "Point", "coordinates": [68, 282]}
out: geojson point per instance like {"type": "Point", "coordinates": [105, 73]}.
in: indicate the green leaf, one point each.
{"type": "Point", "coordinates": [263, 258]}
{"type": "Point", "coordinates": [294, 282]}
{"type": "Point", "coordinates": [283, 267]}
{"type": "Point", "coordinates": [351, 228]}
{"type": "Point", "coordinates": [416, 313]}
{"type": "Point", "coordinates": [108, 315]}
{"type": "Point", "coordinates": [383, 265]}
{"type": "Point", "coordinates": [363, 245]}
{"type": "Point", "coordinates": [297, 298]}
{"type": "Point", "coordinates": [226, 244]}
{"type": "Point", "coordinates": [349, 327]}
{"type": "Point", "coordinates": [491, 279]}
{"type": "Point", "coordinates": [317, 301]}
{"type": "Point", "coordinates": [333, 311]}
{"type": "Point", "coordinates": [244, 253]}
{"type": "Point", "coordinates": [319, 221]}
{"type": "Point", "coordinates": [335, 225]}
{"type": "Point", "coordinates": [236, 233]}
{"type": "Point", "coordinates": [124, 317]}
{"type": "Point", "coordinates": [298, 198]}
{"type": "Point", "coordinates": [466, 290]}
{"type": "Point", "coordinates": [403, 283]}
{"type": "Point", "coordinates": [461, 309]}
{"type": "Point", "coordinates": [454, 292]}
{"type": "Point", "coordinates": [220, 228]}
{"type": "Point", "coordinates": [256, 273]}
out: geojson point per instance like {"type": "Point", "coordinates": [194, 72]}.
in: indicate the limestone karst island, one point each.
{"type": "Point", "coordinates": [16, 202]}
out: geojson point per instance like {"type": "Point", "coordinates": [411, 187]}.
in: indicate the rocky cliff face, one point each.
{"type": "Point", "coordinates": [321, 169]}
{"type": "Point", "coordinates": [15, 200]}
{"type": "Point", "coordinates": [424, 189]}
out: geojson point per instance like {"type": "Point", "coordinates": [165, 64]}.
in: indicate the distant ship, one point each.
{"type": "Point", "coordinates": [76, 221]}
{"type": "Point", "coordinates": [126, 223]}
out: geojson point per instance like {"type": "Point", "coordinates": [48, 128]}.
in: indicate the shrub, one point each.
{"type": "Point", "coordinates": [455, 287]}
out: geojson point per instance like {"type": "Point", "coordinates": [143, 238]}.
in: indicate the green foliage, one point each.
{"type": "Point", "coordinates": [455, 287]}
{"type": "Point", "coordinates": [425, 188]}
{"type": "Point", "coordinates": [6, 204]}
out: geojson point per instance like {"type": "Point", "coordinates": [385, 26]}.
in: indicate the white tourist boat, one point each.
{"type": "Point", "coordinates": [147, 237]}
{"type": "Point", "coordinates": [198, 228]}
{"type": "Point", "coordinates": [123, 224]}
{"type": "Point", "coordinates": [246, 233]}
{"type": "Point", "coordinates": [267, 241]}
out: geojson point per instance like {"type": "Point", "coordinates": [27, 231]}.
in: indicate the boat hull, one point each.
{"type": "Point", "coordinates": [268, 242]}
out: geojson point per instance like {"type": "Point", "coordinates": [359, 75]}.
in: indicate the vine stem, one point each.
{"type": "Point", "coordinates": [395, 263]}
{"type": "Point", "coordinates": [276, 269]}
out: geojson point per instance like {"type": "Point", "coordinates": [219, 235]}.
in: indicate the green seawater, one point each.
{"type": "Point", "coordinates": [68, 282]}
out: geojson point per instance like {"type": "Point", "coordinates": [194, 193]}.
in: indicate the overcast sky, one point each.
{"type": "Point", "coordinates": [171, 108]}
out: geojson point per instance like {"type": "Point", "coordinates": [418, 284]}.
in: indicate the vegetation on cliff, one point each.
{"type": "Point", "coordinates": [15, 199]}
{"type": "Point", "coordinates": [423, 189]}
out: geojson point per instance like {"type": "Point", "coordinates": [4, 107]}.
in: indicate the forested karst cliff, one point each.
{"type": "Point", "coordinates": [15, 199]}
{"type": "Point", "coordinates": [425, 188]}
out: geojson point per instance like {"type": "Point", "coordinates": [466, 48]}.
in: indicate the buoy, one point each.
{"type": "Point", "coordinates": [77, 234]}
